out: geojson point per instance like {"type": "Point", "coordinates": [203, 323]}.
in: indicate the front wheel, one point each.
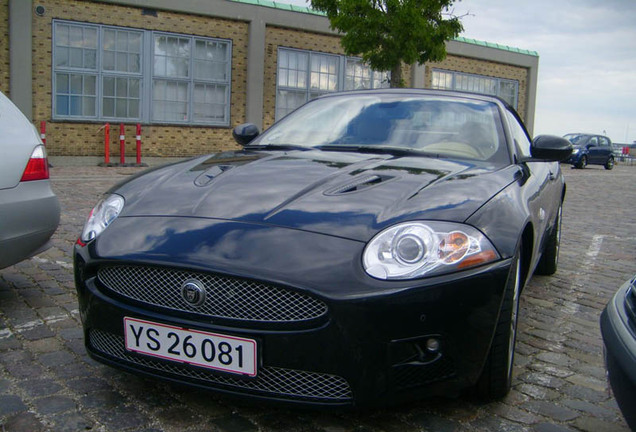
{"type": "Point", "coordinates": [582, 163]}
{"type": "Point", "coordinates": [609, 164]}
{"type": "Point", "coordinates": [496, 377]}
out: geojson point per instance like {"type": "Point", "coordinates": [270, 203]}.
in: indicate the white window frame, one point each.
{"type": "Point", "coordinates": [480, 83]}
{"type": "Point", "coordinates": [146, 76]}
{"type": "Point", "coordinates": [303, 85]}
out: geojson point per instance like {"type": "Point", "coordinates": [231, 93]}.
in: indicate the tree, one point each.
{"type": "Point", "coordinates": [386, 33]}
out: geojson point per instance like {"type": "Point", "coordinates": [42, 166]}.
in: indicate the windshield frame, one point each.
{"type": "Point", "coordinates": [487, 110]}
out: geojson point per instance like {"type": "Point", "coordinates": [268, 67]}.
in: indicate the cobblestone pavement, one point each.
{"type": "Point", "coordinates": [47, 382]}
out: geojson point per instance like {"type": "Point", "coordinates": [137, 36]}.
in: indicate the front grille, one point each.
{"type": "Point", "coordinates": [226, 297]}
{"type": "Point", "coordinates": [414, 375]}
{"type": "Point", "coordinates": [272, 381]}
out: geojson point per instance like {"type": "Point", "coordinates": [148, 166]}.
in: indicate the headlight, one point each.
{"type": "Point", "coordinates": [101, 216]}
{"type": "Point", "coordinates": [576, 151]}
{"type": "Point", "coordinates": [415, 249]}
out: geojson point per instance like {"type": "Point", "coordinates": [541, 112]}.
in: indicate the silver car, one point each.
{"type": "Point", "coordinates": [29, 210]}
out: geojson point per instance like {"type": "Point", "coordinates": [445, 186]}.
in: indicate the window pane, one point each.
{"type": "Point", "coordinates": [90, 85]}
{"type": "Point", "coordinates": [209, 103]}
{"type": "Point", "coordinates": [121, 50]}
{"type": "Point", "coordinates": [61, 81]}
{"type": "Point", "coordinates": [170, 102]}
{"type": "Point", "coordinates": [109, 86]}
{"type": "Point", "coordinates": [119, 95]}
{"type": "Point", "coordinates": [108, 61]}
{"type": "Point", "coordinates": [88, 106]}
{"type": "Point", "coordinates": [61, 56]}
{"type": "Point", "coordinates": [61, 105]}
{"type": "Point", "coordinates": [287, 101]}
{"type": "Point", "coordinates": [175, 54]}
{"type": "Point", "coordinates": [76, 84]}
{"type": "Point", "coordinates": [108, 107]}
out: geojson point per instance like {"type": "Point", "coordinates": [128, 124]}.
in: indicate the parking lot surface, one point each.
{"type": "Point", "coordinates": [47, 382]}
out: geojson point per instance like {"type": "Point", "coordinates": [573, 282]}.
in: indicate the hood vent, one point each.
{"type": "Point", "coordinates": [358, 185]}
{"type": "Point", "coordinates": [209, 175]}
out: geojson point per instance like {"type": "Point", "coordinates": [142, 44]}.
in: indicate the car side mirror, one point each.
{"type": "Point", "coordinates": [550, 148]}
{"type": "Point", "coordinates": [245, 133]}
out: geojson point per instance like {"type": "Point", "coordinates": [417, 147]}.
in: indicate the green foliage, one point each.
{"type": "Point", "coordinates": [386, 33]}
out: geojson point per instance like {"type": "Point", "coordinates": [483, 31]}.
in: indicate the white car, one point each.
{"type": "Point", "coordinates": [29, 210]}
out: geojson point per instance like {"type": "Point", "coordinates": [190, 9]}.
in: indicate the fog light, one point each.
{"type": "Point", "coordinates": [432, 345]}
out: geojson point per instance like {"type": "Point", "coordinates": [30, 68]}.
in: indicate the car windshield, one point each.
{"type": "Point", "coordinates": [577, 139]}
{"type": "Point", "coordinates": [434, 125]}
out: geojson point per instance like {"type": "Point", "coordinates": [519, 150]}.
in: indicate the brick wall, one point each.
{"type": "Point", "coordinates": [4, 47]}
{"type": "Point", "coordinates": [487, 68]}
{"type": "Point", "coordinates": [82, 138]}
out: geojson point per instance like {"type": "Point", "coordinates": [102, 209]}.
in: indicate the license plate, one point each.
{"type": "Point", "coordinates": [215, 351]}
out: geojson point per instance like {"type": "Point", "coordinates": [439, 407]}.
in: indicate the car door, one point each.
{"type": "Point", "coordinates": [542, 187]}
{"type": "Point", "coordinates": [595, 153]}
{"type": "Point", "coordinates": [605, 149]}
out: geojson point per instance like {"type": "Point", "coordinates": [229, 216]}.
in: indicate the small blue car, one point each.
{"type": "Point", "coordinates": [590, 149]}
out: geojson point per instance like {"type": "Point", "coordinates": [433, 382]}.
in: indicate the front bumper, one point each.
{"type": "Point", "coordinates": [368, 348]}
{"type": "Point", "coordinates": [618, 328]}
{"type": "Point", "coordinates": [575, 158]}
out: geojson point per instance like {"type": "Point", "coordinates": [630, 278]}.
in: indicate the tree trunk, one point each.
{"type": "Point", "coordinates": [396, 76]}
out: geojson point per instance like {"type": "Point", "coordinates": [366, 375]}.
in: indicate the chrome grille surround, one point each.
{"type": "Point", "coordinates": [279, 382]}
{"type": "Point", "coordinates": [227, 297]}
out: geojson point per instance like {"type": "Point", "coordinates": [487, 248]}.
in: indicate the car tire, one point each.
{"type": "Point", "coordinates": [582, 163]}
{"type": "Point", "coordinates": [609, 164]}
{"type": "Point", "coordinates": [550, 259]}
{"type": "Point", "coordinates": [496, 377]}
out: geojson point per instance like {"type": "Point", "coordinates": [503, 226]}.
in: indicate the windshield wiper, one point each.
{"type": "Point", "coordinates": [394, 151]}
{"type": "Point", "coordinates": [277, 147]}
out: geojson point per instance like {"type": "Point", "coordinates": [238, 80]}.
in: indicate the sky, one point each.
{"type": "Point", "coordinates": [587, 58]}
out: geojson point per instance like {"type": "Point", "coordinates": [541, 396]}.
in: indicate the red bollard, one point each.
{"type": "Point", "coordinates": [43, 131]}
{"type": "Point", "coordinates": [107, 143]}
{"type": "Point", "coordinates": [138, 144]}
{"type": "Point", "coordinates": [122, 156]}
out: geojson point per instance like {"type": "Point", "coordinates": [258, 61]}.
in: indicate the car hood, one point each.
{"type": "Point", "coordinates": [343, 194]}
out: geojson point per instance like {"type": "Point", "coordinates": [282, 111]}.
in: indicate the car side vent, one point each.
{"type": "Point", "coordinates": [358, 185]}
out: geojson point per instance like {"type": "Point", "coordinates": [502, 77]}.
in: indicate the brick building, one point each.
{"type": "Point", "coordinates": [189, 71]}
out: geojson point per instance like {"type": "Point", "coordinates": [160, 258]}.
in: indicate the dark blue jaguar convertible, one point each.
{"type": "Point", "coordinates": [369, 248]}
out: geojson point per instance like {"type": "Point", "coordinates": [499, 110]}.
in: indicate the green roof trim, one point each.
{"type": "Point", "coordinates": [496, 46]}
{"type": "Point", "coordinates": [281, 6]}
{"type": "Point", "coordinates": [308, 10]}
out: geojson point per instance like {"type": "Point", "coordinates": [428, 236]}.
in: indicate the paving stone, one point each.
{"type": "Point", "coordinates": [10, 404]}
{"type": "Point", "coordinates": [538, 392]}
{"type": "Point", "coordinates": [233, 423]}
{"type": "Point", "coordinates": [515, 414]}
{"type": "Point", "coordinates": [551, 427]}
{"type": "Point", "coordinates": [37, 332]}
{"type": "Point", "coordinates": [40, 387]}
{"type": "Point", "coordinates": [551, 410]}
{"type": "Point", "coordinates": [56, 358]}
{"type": "Point", "coordinates": [43, 345]}
{"type": "Point", "coordinates": [592, 424]}
{"type": "Point", "coordinates": [24, 370]}
{"type": "Point", "coordinates": [23, 422]}
{"type": "Point", "coordinates": [122, 418]}
{"type": "Point", "coordinates": [102, 399]}
{"type": "Point", "coordinates": [599, 411]}
{"type": "Point", "coordinates": [73, 422]}
{"type": "Point", "coordinates": [54, 404]}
